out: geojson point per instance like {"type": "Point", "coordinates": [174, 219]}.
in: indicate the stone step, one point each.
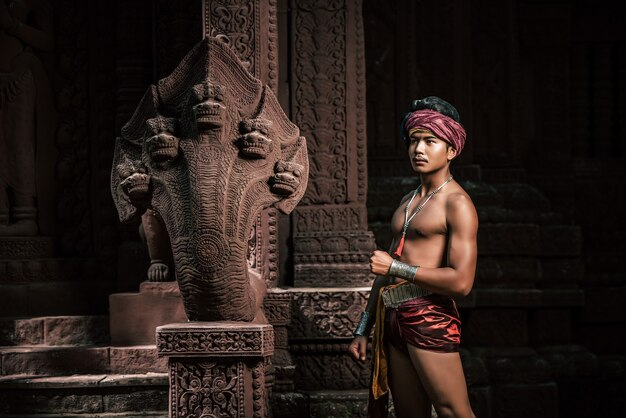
{"type": "Point", "coordinates": [96, 395]}
{"type": "Point", "coordinates": [63, 360]}
{"type": "Point", "coordinates": [26, 247]}
{"type": "Point", "coordinates": [60, 298]}
{"type": "Point", "coordinates": [55, 330]}
{"type": "Point", "coordinates": [25, 270]}
{"type": "Point", "coordinates": [132, 414]}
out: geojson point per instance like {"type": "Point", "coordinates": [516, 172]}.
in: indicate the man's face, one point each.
{"type": "Point", "coordinates": [429, 153]}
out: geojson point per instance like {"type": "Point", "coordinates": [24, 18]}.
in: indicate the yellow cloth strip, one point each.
{"type": "Point", "coordinates": [380, 386]}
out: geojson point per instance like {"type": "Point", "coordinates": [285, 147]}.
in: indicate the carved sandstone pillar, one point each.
{"type": "Point", "coordinates": [331, 239]}
{"type": "Point", "coordinates": [217, 368]}
{"type": "Point", "coordinates": [249, 28]}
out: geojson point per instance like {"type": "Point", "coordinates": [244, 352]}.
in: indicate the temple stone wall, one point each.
{"type": "Point", "coordinates": [539, 86]}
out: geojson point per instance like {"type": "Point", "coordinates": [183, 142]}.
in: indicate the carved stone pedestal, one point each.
{"type": "Point", "coordinates": [218, 368]}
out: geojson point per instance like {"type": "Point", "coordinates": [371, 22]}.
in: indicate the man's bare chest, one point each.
{"type": "Point", "coordinates": [429, 221]}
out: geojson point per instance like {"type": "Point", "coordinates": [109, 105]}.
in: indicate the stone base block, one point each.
{"type": "Point", "coordinates": [222, 367]}
{"type": "Point", "coordinates": [135, 316]}
{"type": "Point", "coordinates": [55, 330]}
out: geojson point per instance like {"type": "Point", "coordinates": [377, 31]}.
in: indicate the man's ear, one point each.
{"type": "Point", "coordinates": [451, 153]}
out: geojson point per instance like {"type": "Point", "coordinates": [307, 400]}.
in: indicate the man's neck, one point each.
{"type": "Point", "coordinates": [433, 180]}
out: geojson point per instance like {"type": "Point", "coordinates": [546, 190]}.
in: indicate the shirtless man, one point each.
{"type": "Point", "coordinates": [415, 347]}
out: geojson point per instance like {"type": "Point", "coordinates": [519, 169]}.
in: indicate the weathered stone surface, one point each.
{"type": "Point", "coordinates": [519, 365]}
{"type": "Point", "coordinates": [326, 312]}
{"type": "Point", "coordinates": [14, 300]}
{"type": "Point", "coordinates": [328, 367]}
{"type": "Point", "coordinates": [26, 247]}
{"type": "Point", "coordinates": [134, 316]}
{"type": "Point", "coordinates": [84, 381]}
{"type": "Point", "coordinates": [524, 401]}
{"type": "Point", "coordinates": [550, 326]}
{"type": "Point", "coordinates": [76, 330]}
{"type": "Point", "coordinates": [561, 241]}
{"type": "Point", "coordinates": [136, 400]}
{"type": "Point", "coordinates": [562, 298]}
{"type": "Point", "coordinates": [508, 239]}
{"type": "Point", "coordinates": [54, 360]}
{"type": "Point", "coordinates": [487, 327]}
{"type": "Point", "coordinates": [329, 404]}
{"type": "Point", "coordinates": [562, 270]}
{"type": "Point", "coordinates": [95, 395]}
{"type": "Point", "coordinates": [522, 196]}
{"type": "Point", "coordinates": [29, 331]}
{"type": "Point", "coordinates": [505, 298]}
{"type": "Point", "coordinates": [568, 361]}
{"type": "Point", "coordinates": [22, 402]}
{"type": "Point", "coordinates": [136, 359]}
{"type": "Point", "coordinates": [499, 271]}
{"type": "Point", "coordinates": [481, 400]}
{"type": "Point", "coordinates": [42, 270]}
{"type": "Point", "coordinates": [277, 306]}
{"type": "Point", "coordinates": [474, 368]}
{"type": "Point", "coordinates": [146, 379]}
{"type": "Point", "coordinates": [281, 337]}
{"type": "Point", "coordinates": [603, 303]}
{"type": "Point", "coordinates": [289, 405]}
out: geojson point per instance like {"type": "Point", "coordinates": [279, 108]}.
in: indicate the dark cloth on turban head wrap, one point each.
{"type": "Point", "coordinates": [442, 126]}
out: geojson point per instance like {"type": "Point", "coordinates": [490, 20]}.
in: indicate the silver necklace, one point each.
{"type": "Point", "coordinates": [407, 219]}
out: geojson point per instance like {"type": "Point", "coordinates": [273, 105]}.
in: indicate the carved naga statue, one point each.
{"type": "Point", "coordinates": [206, 150]}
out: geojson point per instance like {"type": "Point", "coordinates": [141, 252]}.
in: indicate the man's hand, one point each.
{"type": "Point", "coordinates": [380, 261]}
{"type": "Point", "coordinates": [358, 348]}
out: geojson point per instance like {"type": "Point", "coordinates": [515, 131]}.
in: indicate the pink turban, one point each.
{"type": "Point", "coordinates": [442, 126]}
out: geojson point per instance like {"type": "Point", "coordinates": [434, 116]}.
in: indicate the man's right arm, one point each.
{"type": "Point", "coordinates": [358, 347]}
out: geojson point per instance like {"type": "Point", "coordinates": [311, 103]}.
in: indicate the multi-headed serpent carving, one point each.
{"type": "Point", "coordinates": [207, 149]}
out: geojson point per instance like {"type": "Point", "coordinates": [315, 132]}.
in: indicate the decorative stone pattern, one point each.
{"type": "Point", "coordinates": [328, 103]}
{"type": "Point", "coordinates": [332, 241]}
{"type": "Point", "coordinates": [258, 160]}
{"type": "Point", "coordinates": [320, 94]}
{"type": "Point", "coordinates": [328, 367]}
{"type": "Point", "coordinates": [326, 314]}
{"type": "Point", "coordinates": [218, 368]}
{"type": "Point", "coordinates": [200, 388]}
{"type": "Point", "coordinates": [194, 339]}
{"type": "Point", "coordinates": [277, 307]}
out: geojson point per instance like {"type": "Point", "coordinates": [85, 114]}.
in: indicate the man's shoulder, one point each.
{"type": "Point", "coordinates": [458, 202]}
